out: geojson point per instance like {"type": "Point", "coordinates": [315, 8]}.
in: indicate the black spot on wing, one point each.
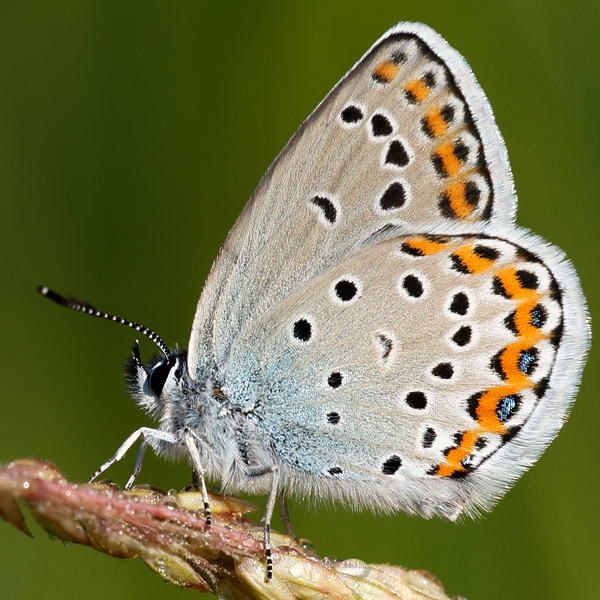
{"type": "Point", "coordinates": [429, 437]}
{"type": "Point", "coordinates": [394, 197]}
{"type": "Point", "coordinates": [429, 79]}
{"type": "Point", "coordinates": [327, 207]}
{"type": "Point", "coordinates": [416, 400]}
{"type": "Point", "coordinates": [461, 151]}
{"type": "Point", "coordinates": [538, 316]}
{"type": "Point", "coordinates": [481, 443]}
{"type": "Point", "coordinates": [398, 57]}
{"type": "Point", "coordinates": [381, 126]}
{"type": "Point", "coordinates": [302, 330]}
{"type": "Point", "coordinates": [333, 418]}
{"type": "Point", "coordinates": [486, 252]}
{"type": "Point", "coordinates": [391, 465]}
{"type": "Point", "coordinates": [528, 361]}
{"type": "Point", "coordinates": [397, 154]}
{"type": "Point", "coordinates": [345, 290]}
{"type": "Point", "coordinates": [472, 194]}
{"type": "Point", "coordinates": [413, 286]}
{"type": "Point", "coordinates": [443, 371]}
{"type": "Point", "coordinates": [447, 113]}
{"type": "Point", "coordinates": [527, 279]}
{"type": "Point", "coordinates": [508, 406]}
{"type": "Point", "coordinates": [352, 115]}
{"type": "Point", "coordinates": [462, 336]}
{"type": "Point", "coordinates": [460, 304]}
{"type": "Point", "coordinates": [335, 380]}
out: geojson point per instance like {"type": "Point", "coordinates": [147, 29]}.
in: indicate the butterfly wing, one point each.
{"type": "Point", "coordinates": [423, 373]}
{"type": "Point", "coordinates": [405, 142]}
{"type": "Point", "coordinates": [397, 340]}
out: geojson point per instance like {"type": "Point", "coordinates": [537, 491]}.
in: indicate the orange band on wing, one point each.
{"type": "Point", "coordinates": [417, 89]}
{"type": "Point", "coordinates": [487, 407]}
{"type": "Point", "coordinates": [435, 122]}
{"type": "Point", "coordinates": [451, 163]}
{"type": "Point", "coordinates": [474, 263]}
{"type": "Point", "coordinates": [423, 246]}
{"type": "Point", "coordinates": [457, 196]}
{"type": "Point", "coordinates": [386, 71]}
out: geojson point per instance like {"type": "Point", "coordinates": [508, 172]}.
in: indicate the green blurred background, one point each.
{"type": "Point", "coordinates": [132, 134]}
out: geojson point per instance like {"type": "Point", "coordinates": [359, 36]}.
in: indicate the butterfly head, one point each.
{"type": "Point", "coordinates": [152, 384]}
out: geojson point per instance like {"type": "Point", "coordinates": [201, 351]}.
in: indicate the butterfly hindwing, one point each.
{"type": "Point", "coordinates": [406, 404]}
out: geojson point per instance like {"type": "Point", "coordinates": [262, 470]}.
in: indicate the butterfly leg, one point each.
{"type": "Point", "coordinates": [192, 448]}
{"type": "Point", "coordinates": [258, 472]}
{"type": "Point", "coordinates": [284, 513]}
{"type": "Point", "coordinates": [138, 464]}
{"type": "Point", "coordinates": [147, 434]}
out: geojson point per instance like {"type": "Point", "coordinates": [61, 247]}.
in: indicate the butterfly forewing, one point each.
{"type": "Point", "coordinates": [406, 138]}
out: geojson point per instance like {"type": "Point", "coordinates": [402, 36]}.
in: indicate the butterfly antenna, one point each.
{"type": "Point", "coordinates": [84, 307]}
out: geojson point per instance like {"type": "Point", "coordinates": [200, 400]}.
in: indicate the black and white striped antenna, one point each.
{"type": "Point", "coordinates": [78, 305]}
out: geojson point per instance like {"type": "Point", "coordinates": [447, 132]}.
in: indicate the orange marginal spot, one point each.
{"type": "Point", "coordinates": [436, 124]}
{"type": "Point", "coordinates": [451, 163]}
{"type": "Point", "coordinates": [488, 403]}
{"type": "Point", "coordinates": [487, 406]}
{"type": "Point", "coordinates": [426, 246]}
{"type": "Point", "coordinates": [457, 196]}
{"type": "Point", "coordinates": [509, 360]}
{"type": "Point", "coordinates": [475, 263]}
{"type": "Point", "coordinates": [465, 448]}
{"type": "Point", "coordinates": [513, 287]}
{"type": "Point", "coordinates": [525, 328]}
{"type": "Point", "coordinates": [386, 71]}
{"type": "Point", "coordinates": [418, 89]}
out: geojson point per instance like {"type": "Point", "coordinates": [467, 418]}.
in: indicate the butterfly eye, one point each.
{"type": "Point", "coordinates": [159, 374]}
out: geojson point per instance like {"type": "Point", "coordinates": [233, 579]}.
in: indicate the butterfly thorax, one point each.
{"type": "Point", "coordinates": [222, 428]}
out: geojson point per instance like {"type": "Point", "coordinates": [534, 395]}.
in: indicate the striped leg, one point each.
{"type": "Point", "coordinates": [258, 472]}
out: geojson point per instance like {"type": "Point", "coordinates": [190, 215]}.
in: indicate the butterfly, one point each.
{"type": "Point", "coordinates": [375, 330]}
